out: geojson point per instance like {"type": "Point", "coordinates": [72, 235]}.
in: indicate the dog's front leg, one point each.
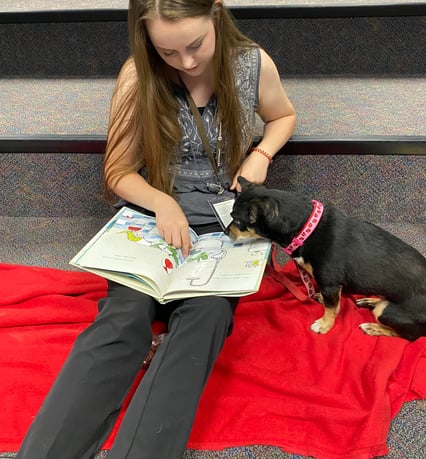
{"type": "Point", "coordinates": [330, 299]}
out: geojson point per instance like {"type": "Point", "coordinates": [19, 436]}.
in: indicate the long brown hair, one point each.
{"type": "Point", "coordinates": [148, 115]}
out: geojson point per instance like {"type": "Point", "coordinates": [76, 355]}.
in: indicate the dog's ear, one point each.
{"type": "Point", "coordinates": [253, 212]}
{"type": "Point", "coordinates": [262, 207]}
{"type": "Point", "coordinates": [245, 184]}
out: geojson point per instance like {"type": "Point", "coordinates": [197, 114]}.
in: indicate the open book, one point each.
{"type": "Point", "coordinates": [130, 251]}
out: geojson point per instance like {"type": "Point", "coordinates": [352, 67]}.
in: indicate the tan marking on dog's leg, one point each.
{"type": "Point", "coordinates": [318, 298]}
{"type": "Point", "coordinates": [378, 305]}
{"type": "Point", "coordinates": [373, 329]}
{"type": "Point", "coordinates": [379, 308]}
{"type": "Point", "coordinates": [326, 322]}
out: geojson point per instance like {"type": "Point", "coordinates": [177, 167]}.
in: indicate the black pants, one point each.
{"type": "Point", "coordinates": [83, 404]}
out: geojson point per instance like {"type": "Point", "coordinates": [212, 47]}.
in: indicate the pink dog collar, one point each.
{"type": "Point", "coordinates": [307, 229]}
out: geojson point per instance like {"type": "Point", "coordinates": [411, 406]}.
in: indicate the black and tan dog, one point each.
{"type": "Point", "coordinates": [342, 253]}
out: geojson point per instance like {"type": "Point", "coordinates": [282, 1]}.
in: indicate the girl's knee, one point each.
{"type": "Point", "coordinates": [212, 311]}
{"type": "Point", "coordinates": [122, 293]}
{"type": "Point", "coordinates": [222, 308]}
{"type": "Point", "coordinates": [126, 315]}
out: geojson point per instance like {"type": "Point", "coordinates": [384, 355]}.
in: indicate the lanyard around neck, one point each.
{"type": "Point", "coordinates": [203, 135]}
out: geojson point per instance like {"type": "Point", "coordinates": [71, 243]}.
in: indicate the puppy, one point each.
{"type": "Point", "coordinates": [342, 253]}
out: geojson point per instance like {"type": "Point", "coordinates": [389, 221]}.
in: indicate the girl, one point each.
{"type": "Point", "coordinates": [181, 122]}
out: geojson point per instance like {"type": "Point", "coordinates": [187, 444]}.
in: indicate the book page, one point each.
{"type": "Point", "coordinates": [218, 264]}
{"type": "Point", "coordinates": [130, 243]}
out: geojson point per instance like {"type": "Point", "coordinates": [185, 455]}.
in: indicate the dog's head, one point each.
{"type": "Point", "coordinates": [252, 208]}
{"type": "Point", "coordinates": [261, 212]}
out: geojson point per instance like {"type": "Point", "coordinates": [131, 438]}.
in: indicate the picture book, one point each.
{"type": "Point", "coordinates": [129, 250]}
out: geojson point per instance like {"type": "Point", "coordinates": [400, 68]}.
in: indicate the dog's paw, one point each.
{"type": "Point", "coordinates": [375, 329]}
{"type": "Point", "coordinates": [321, 326]}
{"type": "Point", "coordinates": [369, 303]}
{"type": "Point", "coordinates": [369, 329]}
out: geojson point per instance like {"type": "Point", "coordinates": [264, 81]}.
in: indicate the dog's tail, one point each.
{"type": "Point", "coordinates": [407, 317]}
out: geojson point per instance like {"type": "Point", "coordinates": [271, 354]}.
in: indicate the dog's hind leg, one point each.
{"type": "Point", "coordinates": [406, 319]}
{"type": "Point", "coordinates": [378, 306]}
{"type": "Point", "coordinates": [331, 303]}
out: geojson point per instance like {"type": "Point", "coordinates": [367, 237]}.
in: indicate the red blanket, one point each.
{"type": "Point", "coordinates": [275, 383]}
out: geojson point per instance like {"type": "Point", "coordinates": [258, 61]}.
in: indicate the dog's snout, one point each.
{"type": "Point", "coordinates": [229, 231]}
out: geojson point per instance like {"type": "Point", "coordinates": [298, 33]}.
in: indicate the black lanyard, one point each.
{"type": "Point", "coordinates": [215, 162]}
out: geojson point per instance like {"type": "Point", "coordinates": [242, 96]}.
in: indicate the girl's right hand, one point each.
{"type": "Point", "coordinates": [173, 226]}
{"type": "Point", "coordinates": [170, 220]}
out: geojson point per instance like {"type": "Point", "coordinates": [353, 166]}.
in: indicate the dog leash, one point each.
{"type": "Point", "coordinates": [308, 228]}
{"type": "Point", "coordinates": [276, 271]}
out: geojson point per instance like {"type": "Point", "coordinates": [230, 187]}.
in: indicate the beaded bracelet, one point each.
{"type": "Point", "coordinates": [262, 152]}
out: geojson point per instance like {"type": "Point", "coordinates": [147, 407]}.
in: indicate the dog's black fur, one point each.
{"type": "Point", "coordinates": [342, 254]}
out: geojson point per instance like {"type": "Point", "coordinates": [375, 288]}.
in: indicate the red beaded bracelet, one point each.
{"type": "Point", "coordinates": [262, 152]}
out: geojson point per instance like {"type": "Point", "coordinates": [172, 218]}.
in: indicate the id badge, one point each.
{"type": "Point", "coordinates": [222, 207]}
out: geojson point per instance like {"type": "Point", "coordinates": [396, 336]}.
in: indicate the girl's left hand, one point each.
{"type": "Point", "coordinates": [254, 168]}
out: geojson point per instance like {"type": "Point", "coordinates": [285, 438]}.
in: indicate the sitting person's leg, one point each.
{"type": "Point", "coordinates": [159, 419]}
{"type": "Point", "coordinates": [86, 397]}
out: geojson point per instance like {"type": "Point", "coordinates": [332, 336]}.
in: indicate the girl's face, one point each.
{"type": "Point", "coordinates": [187, 45]}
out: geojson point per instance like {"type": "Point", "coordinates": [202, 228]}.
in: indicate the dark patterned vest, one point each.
{"type": "Point", "coordinates": [194, 175]}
